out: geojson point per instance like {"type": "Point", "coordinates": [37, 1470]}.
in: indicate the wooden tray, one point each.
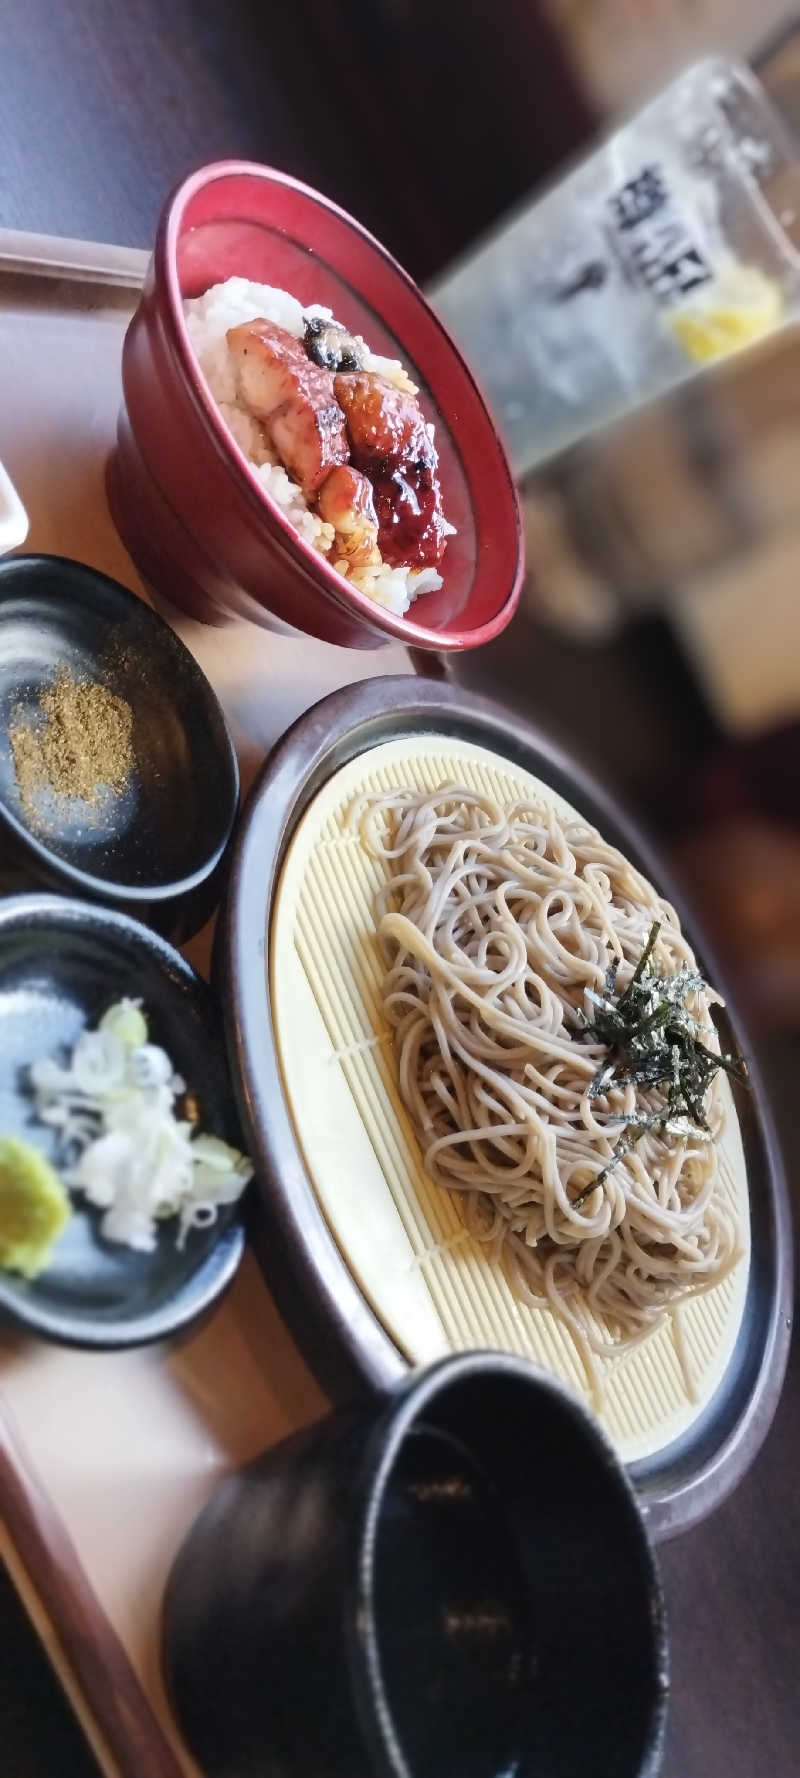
{"type": "Point", "coordinates": [106, 1459]}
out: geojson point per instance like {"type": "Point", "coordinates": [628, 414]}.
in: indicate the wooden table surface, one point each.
{"type": "Point", "coordinates": [105, 104]}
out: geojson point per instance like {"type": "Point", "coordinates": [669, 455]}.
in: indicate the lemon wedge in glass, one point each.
{"type": "Point", "coordinates": [34, 1208]}
{"type": "Point", "coordinates": [744, 306]}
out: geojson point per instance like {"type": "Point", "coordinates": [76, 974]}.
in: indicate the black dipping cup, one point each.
{"type": "Point", "coordinates": [456, 1583]}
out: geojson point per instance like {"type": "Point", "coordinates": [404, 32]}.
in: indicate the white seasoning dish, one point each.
{"type": "Point", "coordinates": [13, 517]}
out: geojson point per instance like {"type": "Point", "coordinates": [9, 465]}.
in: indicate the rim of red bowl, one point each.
{"type": "Point", "coordinates": [404, 628]}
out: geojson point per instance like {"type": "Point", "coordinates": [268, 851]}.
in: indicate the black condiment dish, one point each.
{"type": "Point", "coordinates": [62, 964]}
{"type": "Point", "coordinates": [454, 1581]}
{"type": "Point", "coordinates": [157, 847]}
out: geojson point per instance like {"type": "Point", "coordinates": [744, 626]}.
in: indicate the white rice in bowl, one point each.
{"type": "Point", "coordinates": [208, 319]}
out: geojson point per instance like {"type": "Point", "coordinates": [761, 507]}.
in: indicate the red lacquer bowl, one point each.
{"type": "Point", "coordinates": [199, 526]}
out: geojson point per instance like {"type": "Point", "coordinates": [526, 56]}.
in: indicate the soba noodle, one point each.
{"type": "Point", "coordinates": [493, 924]}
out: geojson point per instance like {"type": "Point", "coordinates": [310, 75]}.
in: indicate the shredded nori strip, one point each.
{"type": "Point", "coordinates": [653, 1040]}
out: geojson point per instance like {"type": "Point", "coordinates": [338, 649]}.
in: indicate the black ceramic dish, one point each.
{"type": "Point", "coordinates": [317, 1292]}
{"type": "Point", "coordinates": [62, 963]}
{"type": "Point", "coordinates": [157, 848]}
{"type": "Point", "coordinates": [456, 1583]}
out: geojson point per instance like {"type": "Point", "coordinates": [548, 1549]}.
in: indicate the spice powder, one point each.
{"type": "Point", "coordinates": [82, 748]}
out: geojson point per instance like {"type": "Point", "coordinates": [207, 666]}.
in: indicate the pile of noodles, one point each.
{"type": "Point", "coordinates": [494, 923]}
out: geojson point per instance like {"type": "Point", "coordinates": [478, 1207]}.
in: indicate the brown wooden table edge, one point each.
{"type": "Point", "coordinates": [92, 1649]}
